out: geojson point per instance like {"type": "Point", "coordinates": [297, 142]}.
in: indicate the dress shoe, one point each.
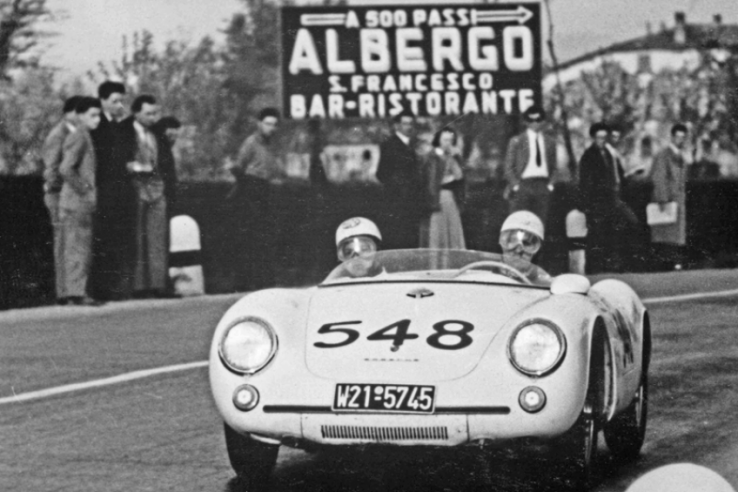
{"type": "Point", "coordinates": [83, 301]}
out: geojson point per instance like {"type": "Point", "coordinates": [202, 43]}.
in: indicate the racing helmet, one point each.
{"type": "Point", "coordinates": [681, 477]}
{"type": "Point", "coordinates": [357, 236]}
{"type": "Point", "coordinates": [522, 227]}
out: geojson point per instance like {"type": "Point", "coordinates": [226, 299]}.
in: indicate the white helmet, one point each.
{"type": "Point", "coordinates": [681, 477]}
{"type": "Point", "coordinates": [357, 226]}
{"type": "Point", "coordinates": [524, 220]}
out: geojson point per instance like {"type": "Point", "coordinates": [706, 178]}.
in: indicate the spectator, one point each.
{"type": "Point", "coordinates": [399, 171]}
{"type": "Point", "coordinates": [669, 176]}
{"type": "Point", "coordinates": [150, 166]}
{"type": "Point", "coordinates": [168, 129]}
{"type": "Point", "coordinates": [443, 180]}
{"type": "Point", "coordinates": [705, 167]}
{"type": "Point", "coordinates": [610, 221]}
{"type": "Point", "coordinates": [77, 203]}
{"type": "Point", "coordinates": [116, 206]}
{"type": "Point", "coordinates": [52, 154]}
{"type": "Point", "coordinates": [530, 166]}
{"type": "Point", "coordinates": [635, 193]}
{"type": "Point", "coordinates": [256, 167]}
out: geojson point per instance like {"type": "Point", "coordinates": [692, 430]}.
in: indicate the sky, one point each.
{"type": "Point", "coordinates": [89, 31]}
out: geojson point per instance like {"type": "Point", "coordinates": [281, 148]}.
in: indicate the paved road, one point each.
{"type": "Point", "coordinates": [163, 433]}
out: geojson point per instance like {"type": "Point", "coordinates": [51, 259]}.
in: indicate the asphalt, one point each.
{"type": "Point", "coordinates": [163, 432]}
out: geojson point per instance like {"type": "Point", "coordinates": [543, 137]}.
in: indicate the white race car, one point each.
{"type": "Point", "coordinates": [437, 348]}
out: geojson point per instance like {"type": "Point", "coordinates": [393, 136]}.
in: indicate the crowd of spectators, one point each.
{"type": "Point", "coordinates": [110, 181]}
{"type": "Point", "coordinates": [110, 186]}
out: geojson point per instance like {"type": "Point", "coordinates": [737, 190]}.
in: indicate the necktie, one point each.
{"type": "Point", "coordinates": [539, 162]}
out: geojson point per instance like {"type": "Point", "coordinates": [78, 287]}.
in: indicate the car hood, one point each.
{"type": "Point", "coordinates": [338, 313]}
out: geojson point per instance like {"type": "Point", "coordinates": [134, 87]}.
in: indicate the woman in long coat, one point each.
{"type": "Point", "coordinates": [669, 176]}
{"type": "Point", "coordinates": [443, 180]}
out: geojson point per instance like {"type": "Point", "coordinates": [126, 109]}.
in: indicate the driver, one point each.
{"type": "Point", "coordinates": [357, 242]}
{"type": "Point", "coordinates": [521, 237]}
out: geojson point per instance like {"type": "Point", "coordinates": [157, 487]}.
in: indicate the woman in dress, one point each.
{"type": "Point", "coordinates": [444, 185]}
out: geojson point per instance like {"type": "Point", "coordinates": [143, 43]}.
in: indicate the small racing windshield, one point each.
{"type": "Point", "coordinates": [434, 264]}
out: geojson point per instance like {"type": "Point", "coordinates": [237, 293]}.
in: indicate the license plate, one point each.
{"type": "Point", "coordinates": [405, 398]}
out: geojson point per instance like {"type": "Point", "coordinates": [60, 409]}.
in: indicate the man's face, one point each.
{"type": "Point", "coordinates": [535, 126]}
{"type": "Point", "coordinates": [405, 125]}
{"type": "Point", "coordinates": [679, 139]}
{"type": "Point", "coordinates": [148, 115]}
{"type": "Point", "coordinates": [172, 134]}
{"type": "Point", "coordinates": [600, 138]}
{"type": "Point", "coordinates": [113, 105]}
{"type": "Point", "coordinates": [268, 126]}
{"type": "Point", "coordinates": [90, 118]}
{"type": "Point", "coordinates": [615, 137]}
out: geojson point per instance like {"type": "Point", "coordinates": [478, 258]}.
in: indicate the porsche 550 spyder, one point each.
{"type": "Point", "coordinates": [433, 348]}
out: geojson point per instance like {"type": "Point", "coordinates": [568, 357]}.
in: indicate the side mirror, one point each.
{"type": "Point", "coordinates": [570, 283]}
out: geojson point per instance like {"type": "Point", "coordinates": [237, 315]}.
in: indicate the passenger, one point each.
{"type": "Point", "coordinates": [357, 242]}
{"type": "Point", "coordinates": [521, 237]}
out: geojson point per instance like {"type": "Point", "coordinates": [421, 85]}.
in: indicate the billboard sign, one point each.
{"type": "Point", "coordinates": [373, 62]}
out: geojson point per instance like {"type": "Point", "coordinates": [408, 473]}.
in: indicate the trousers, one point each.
{"type": "Point", "coordinates": [76, 250]}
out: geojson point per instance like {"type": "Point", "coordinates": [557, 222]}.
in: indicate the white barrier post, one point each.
{"type": "Point", "coordinates": [185, 259]}
{"type": "Point", "coordinates": [576, 233]}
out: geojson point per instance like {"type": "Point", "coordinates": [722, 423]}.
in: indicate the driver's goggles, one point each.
{"type": "Point", "coordinates": [359, 246]}
{"type": "Point", "coordinates": [531, 243]}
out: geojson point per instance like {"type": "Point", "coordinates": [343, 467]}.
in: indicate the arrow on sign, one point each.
{"type": "Point", "coordinates": [521, 15]}
{"type": "Point", "coordinates": [322, 19]}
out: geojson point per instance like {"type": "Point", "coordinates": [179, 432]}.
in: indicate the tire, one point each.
{"type": "Point", "coordinates": [625, 434]}
{"type": "Point", "coordinates": [581, 449]}
{"type": "Point", "coordinates": [253, 461]}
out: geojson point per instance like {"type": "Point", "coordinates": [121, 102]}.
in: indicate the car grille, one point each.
{"type": "Point", "coordinates": [381, 434]}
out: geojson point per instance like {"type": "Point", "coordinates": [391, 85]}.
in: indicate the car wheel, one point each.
{"type": "Point", "coordinates": [253, 461]}
{"type": "Point", "coordinates": [581, 449]}
{"type": "Point", "coordinates": [624, 435]}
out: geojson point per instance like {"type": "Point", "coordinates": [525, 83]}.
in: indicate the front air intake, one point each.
{"type": "Point", "coordinates": [384, 434]}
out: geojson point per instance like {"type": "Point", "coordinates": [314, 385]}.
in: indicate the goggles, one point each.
{"type": "Point", "coordinates": [358, 246]}
{"type": "Point", "coordinates": [511, 239]}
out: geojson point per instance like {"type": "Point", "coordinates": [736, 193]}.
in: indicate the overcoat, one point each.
{"type": "Point", "coordinates": [669, 175]}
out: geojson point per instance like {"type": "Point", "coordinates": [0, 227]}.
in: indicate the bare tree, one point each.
{"type": "Point", "coordinates": [19, 33]}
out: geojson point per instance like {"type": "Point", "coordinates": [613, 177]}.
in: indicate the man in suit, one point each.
{"type": "Point", "coordinates": [610, 222]}
{"type": "Point", "coordinates": [52, 154]}
{"type": "Point", "coordinates": [150, 166]}
{"type": "Point", "coordinates": [530, 166]}
{"type": "Point", "coordinates": [115, 215]}
{"type": "Point", "coordinates": [77, 202]}
{"type": "Point", "coordinates": [399, 171]}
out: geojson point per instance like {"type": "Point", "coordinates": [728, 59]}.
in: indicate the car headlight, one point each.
{"type": "Point", "coordinates": [248, 345]}
{"type": "Point", "coordinates": [536, 347]}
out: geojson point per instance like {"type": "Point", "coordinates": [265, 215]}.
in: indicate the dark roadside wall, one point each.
{"type": "Point", "coordinates": [306, 220]}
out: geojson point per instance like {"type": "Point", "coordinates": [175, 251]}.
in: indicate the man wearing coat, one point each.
{"type": "Point", "coordinates": [116, 208]}
{"type": "Point", "coordinates": [150, 166]}
{"type": "Point", "coordinates": [52, 154]}
{"type": "Point", "coordinates": [530, 166]}
{"type": "Point", "coordinates": [77, 202]}
{"type": "Point", "coordinates": [610, 222]}
{"type": "Point", "coordinates": [399, 171]}
{"type": "Point", "coordinates": [669, 174]}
